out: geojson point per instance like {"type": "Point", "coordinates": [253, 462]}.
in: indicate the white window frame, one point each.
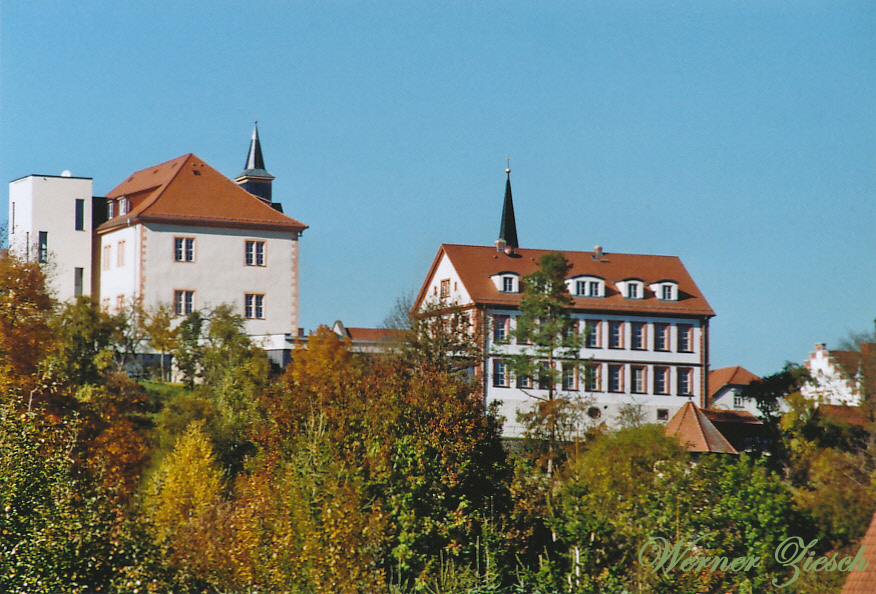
{"type": "Point", "coordinates": [183, 249]}
{"type": "Point", "coordinates": [254, 306]}
{"type": "Point", "coordinates": [183, 302]}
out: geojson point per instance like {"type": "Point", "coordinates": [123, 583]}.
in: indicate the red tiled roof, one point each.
{"type": "Point", "coordinates": [729, 376]}
{"type": "Point", "coordinates": [864, 582]}
{"type": "Point", "coordinates": [730, 416]}
{"type": "Point", "coordinates": [371, 334]}
{"type": "Point", "coordinates": [476, 264]}
{"type": "Point", "coordinates": [851, 415]}
{"type": "Point", "coordinates": [187, 191]}
{"type": "Point", "coordinates": [696, 432]}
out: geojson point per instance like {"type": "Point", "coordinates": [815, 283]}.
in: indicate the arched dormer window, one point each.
{"type": "Point", "coordinates": [507, 282]}
{"type": "Point", "coordinates": [631, 288]}
{"type": "Point", "coordinates": [586, 286]}
{"type": "Point", "coordinates": [665, 290]}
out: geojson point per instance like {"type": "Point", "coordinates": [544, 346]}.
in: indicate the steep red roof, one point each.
{"type": "Point", "coordinates": [730, 416]}
{"type": "Point", "coordinates": [696, 432]}
{"type": "Point", "coordinates": [729, 376]}
{"type": "Point", "coordinates": [476, 264]}
{"type": "Point", "coordinates": [187, 191]}
{"type": "Point", "coordinates": [371, 334]}
{"type": "Point", "coordinates": [864, 582]}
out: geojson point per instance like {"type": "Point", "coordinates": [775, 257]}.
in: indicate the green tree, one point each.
{"type": "Point", "coordinates": [84, 336]}
{"type": "Point", "coordinates": [163, 336]}
{"type": "Point", "coordinates": [547, 334]}
{"type": "Point", "coordinates": [188, 350]}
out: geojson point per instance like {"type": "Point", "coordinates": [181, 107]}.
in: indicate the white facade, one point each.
{"type": "Point", "coordinates": [729, 398]}
{"type": "Point", "coordinates": [832, 384]}
{"type": "Point", "coordinates": [212, 270]}
{"type": "Point", "coordinates": [658, 381]}
{"type": "Point", "coordinates": [50, 221]}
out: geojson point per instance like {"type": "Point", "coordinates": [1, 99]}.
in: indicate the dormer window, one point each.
{"type": "Point", "coordinates": [507, 282]}
{"type": "Point", "coordinates": [586, 286]}
{"type": "Point", "coordinates": [109, 209]}
{"type": "Point", "coordinates": [665, 290]}
{"type": "Point", "coordinates": [632, 288]}
{"type": "Point", "coordinates": [124, 206]}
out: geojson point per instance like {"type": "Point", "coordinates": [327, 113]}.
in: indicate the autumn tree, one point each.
{"type": "Point", "coordinates": [25, 336]}
{"type": "Point", "coordinates": [162, 334]}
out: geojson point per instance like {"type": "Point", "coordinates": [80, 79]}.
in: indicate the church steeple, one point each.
{"type": "Point", "coordinates": [508, 226]}
{"type": "Point", "coordinates": [255, 179]}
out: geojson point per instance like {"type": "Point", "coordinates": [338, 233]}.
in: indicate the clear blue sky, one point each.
{"type": "Point", "coordinates": [740, 136]}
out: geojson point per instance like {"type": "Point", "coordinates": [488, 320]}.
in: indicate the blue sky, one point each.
{"type": "Point", "coordinates": [739, 136]}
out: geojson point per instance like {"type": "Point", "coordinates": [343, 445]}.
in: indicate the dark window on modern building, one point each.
{"type": "Point", "coordinates": [43, 253]}
{"type": "Point", "coordinates": [80, 214]}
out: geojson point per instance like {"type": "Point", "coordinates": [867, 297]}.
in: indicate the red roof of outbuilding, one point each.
{"type": "Point", "coordinates": [729, 376]}
{"type": "Point", "coordinates": [187, 191]}
{"type": "Point", "coordinates": [696, 432]}
{"type": "Point", "coordinates": [864, 582]}
{"type": "Point", "coordinates": [476, 264]}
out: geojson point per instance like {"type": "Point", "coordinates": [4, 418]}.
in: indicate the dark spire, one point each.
{"type": "Point", "coordinates": [508, 226]}
{"type": "Point", "coordinates": [254, 159]}
{"type": "Point", "coordinates": [255, 179]}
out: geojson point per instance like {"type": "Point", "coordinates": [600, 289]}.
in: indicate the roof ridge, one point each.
{"type": "Point", "coordinates": [525, 249]}
{"type": "Point", "coordinates": [161, 188]}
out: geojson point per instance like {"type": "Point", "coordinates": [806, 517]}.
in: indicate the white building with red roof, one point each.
{"type": "Point", "coordinates": [725, 389]}
{"type": "Point", "coordinates": [177, 233]}
{"type": "Point", "coordinates": [645, 322]}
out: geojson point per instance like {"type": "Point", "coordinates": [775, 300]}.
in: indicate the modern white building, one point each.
{"type": "Point", "coordinates": [50, 221]}
{"type": "Point", "coordinates": [178, 233]}
{"type": "Point", "coordinates": [644, 321]}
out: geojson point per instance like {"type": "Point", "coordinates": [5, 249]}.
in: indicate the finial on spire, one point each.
{"type": "Point", "coordinates": [508, 168]}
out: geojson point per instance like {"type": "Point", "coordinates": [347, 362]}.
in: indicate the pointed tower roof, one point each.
{"type": "Point", "coordinates": [508, 226]}
{"type": "Point", "coordinates": [696, 431]}
{"type": "Point", "coordinates": [255, 162]}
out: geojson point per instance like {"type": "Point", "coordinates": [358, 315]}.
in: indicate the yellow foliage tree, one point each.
{"type": "Point", "coordinates": [185, 493]}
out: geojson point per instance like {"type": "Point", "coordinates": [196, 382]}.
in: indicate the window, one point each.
{"type": "Point", "coordinates": [661, 380]}
{"type": "Point", "coordinates": [666, 293]}
{"type": "Point", "coordinates": [738, 400]}
{"type": "Point", "coordinates": [120, 302]}
{"type": "Point", "coordinates": [109, 209]}
{"type": "Point", "coordinates": [685, 338]}
{"type": "Point", "coordinates": [638, 338]}
{"type": "Point", "coordinates": [183, 302]}
{"type": "Point", "coordinates": [184, 249]}
{"type": "Point", "coordinates": [254, 306]}
{"type": "Point", "coordinates": [445, 288]}
{"type": "Point", "coordinates": [570, 376]}
{"type": "Point", "coordinates": [661, 337]}
{"type": "Point", "coordinates": [570, 330]}
{"type": "Point", "coordinates": [500, 328]}
{"type": "Point", "coordinates": [500, 374]}
{"type": "Point", "coordinates": [593, 377]}
{"type": "Point", "coordinates": [662, 414]}
{"type": "Point", "coordinates": [106, 257]}
{"type": "Point", "coordinates": [594, 288]}
{"type": "Point", "coordinates": [80, 214]}
{"type": "Point", "coordinates": [581, 288]}
{"type": "Point", "coordinates": [615, 335]}
{"type": "Point", "coordinates": [545, 376]}
{"type": "Point", "coordinates": [255, 253]}
{"type": "Point", "coordinates": [78, 274]}
{"type": "Point", "coordinates": [524, 381]}
{"type": "Point", "coordinates": [124, 206]}
{"type": "Point", "coordinates": [615, 378]}
{"type": "Point", "coordinates": [585, 288]}
{"type": "Point", "coordinates": [43, 252]}
{"type": "Point", "coordinates": [632, 291]}
{"type": "Point", "coordinates": [591, 334]}
{"type": "Point", "coordinates": [508, 284]}
{"type": "Point", "coordinates": [639, 379]}
{"type": "Point", "coordinates": [684, 381]}
{"type": "Point", "coordinates": [120, 255]}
